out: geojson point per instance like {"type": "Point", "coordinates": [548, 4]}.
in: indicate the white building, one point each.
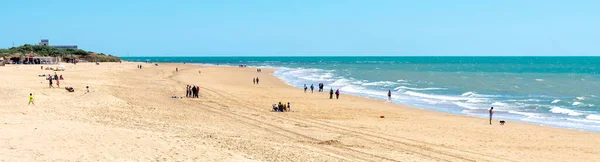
{"type": "Point", "coordinates": [46, 42]}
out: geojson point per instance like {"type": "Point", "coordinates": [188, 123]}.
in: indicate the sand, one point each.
{"type": "Point", "coordinates": [129, 115]}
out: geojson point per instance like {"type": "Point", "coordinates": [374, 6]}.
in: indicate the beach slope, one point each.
{"type": "Point", "coordinates": [130, 115]}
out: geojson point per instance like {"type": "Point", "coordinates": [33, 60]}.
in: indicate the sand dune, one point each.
{"type": "Point", "coordinates": [130, 115]}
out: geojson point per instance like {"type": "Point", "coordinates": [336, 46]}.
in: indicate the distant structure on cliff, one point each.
{"type": "Point", "coordinates": [46, 42]}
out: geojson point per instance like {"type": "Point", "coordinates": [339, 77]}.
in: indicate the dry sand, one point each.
{"type": "Point", "coordinates": [130, 116]}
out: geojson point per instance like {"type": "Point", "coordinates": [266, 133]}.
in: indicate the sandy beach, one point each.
{"type": "Point", "coordinates": [130, 115]}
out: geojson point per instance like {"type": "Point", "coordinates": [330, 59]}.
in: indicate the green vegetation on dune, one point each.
{"type": "Point", "coordinates": [54, 52]}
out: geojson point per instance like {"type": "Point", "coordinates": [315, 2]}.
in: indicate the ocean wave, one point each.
{"type": "Point", "coordinates": [468, 94]}
{"type": "Point", "coordinates": [417, 89]}
{"type": "Point", "coordinates": [341, 83]}
{"type": "Point", "coordinates": [555, 101]}
{"type": "Point", "coordinates": [558, 110]}
{"type": "Point", "coordinates": [401, 81]}
{"type": "Point", "coordinates": [539, 80]}
{"type": "Point", "coordinates": [439, 97]}
{"type": "Point", "coordinates": [577, 103]}
{"type": "Point", "coordinates": [499, 104]}
{"type": "Point", "coordinates": [380, 83]}
{"type": "Point", "coordinates": [580, 98]}
{"type": "Point", "coordinates": [528, 114]}
{"type": "Point", "coordinates": [474, 94]}
{"type": "Point", "coordinates": [468, 106]}
{"type": "Point", "coordinates": [593, 117]}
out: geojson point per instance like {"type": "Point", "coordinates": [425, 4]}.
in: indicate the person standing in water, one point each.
{"type": "Point", "coordinates": [390, 95]}
{"type": "Point", "coordinates": [305, 88]}
{"type": "Point", "coordinates": [312, 88]}
{"type": "Point", "coordinates": [491, 113]}
{"type": "Point", "coordinates": [337, 94]}
{"type": "Point", "coordinates": [31, 99]}
{"type": "Point", "coordinates": [331, 93]}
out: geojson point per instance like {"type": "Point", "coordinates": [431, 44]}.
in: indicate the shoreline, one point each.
{"type": "Point", "coordinates": [432, 108]}
{"type": "Point", "coordinates": [130, 115]}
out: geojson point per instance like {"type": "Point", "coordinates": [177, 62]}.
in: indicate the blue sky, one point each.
{"type": "Point", "coordinates": [308, 27]}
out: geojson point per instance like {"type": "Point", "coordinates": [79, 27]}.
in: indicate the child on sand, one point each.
{"type": "Point", "coordinates": [87, 89]}
{"type": "Point", "coordinates": [31, 99]}
{"type": "Point", "coordinates": [288, 107]}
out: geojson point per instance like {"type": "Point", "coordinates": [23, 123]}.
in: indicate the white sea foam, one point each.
{"type": "Point", "coordinates": [467, 106]}
{"type": "Point", "coordinates": [580, 98]}
{"type": "Point", "coordinates": [380, 83]}
{"type": "Point", "coordinates": [593, 117]}
{"type": "Point", "coordinates": [529, 115]}
{"type": "Point", "coordinates": [499, 104]}
{"type": "Point", "coordinates": [539, 80]}
{"type": "Point", "coordinates": [340, 83]}
{"type": "Point", "coordinates": [439, 97]}
{"type": "Point", "coordinates": [577, 103]}
{"type": "Point", "coordinates": [417, 89]}
{"type": "Point", "coordinates": [468, 94]}
{"type": "Point", "coordinates": [558, 110]}
{"type": "Point", "coordinates": [401, 81]}
{"type": "Point", "coordinates": [555, 101]}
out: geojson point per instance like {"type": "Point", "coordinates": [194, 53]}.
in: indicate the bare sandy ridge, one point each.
{"type": "Point", "coordinates": [130, 115]}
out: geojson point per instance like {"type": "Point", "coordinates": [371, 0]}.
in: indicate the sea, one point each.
{"type": "Point", "coordinates": [549, 91]}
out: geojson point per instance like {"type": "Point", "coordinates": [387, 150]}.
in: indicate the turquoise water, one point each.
{"type": "Point", "coordinates": [553, 91]}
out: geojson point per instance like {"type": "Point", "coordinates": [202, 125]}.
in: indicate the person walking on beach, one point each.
{"type": "Point", "coordinates": [320, 87]}
{"type": "Point", "coordinates": [197, 92]}
{"type": "Point", "coordinates": [50, 82]}
{"type": "Point", "coordinates": [31, 99]}
{"type": "Point", "coordinates": [187, 91]}
{"type": "Point", "coordinates": [337, 94]}
{"type": "Point", "coordinates": [305, 88]}
{"type": "Point", "coordinates": [256, 80]}
{"type": "Point", "coordinates": [312, 88]}
{"type": "Point", "coordinates": [331, 93]}
{"type": "Point", "coordinates": [176, 69]}
{"type": "Point", "coordinates": [491, 113]}
{"type": "Point", "coordinates": [194, 91]}
{"type": "Point", "coordinates": [57, 83]}
{"type": "Point", "coordinates": [253, 80]}
{"type": "Point", "coordinates": [390, 95]}
{"type": "Point", "coordinates": [288, 107]}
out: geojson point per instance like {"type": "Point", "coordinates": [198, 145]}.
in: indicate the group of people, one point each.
{"type": "Point", "coordinates": [56, 78]}
{"type": "Point", "coordinates": [255, 80]}
{"type": "Point", "coordinates": [192, 92]}
{"type": "Point", "coordinates": [281, 107]}
{"type": "Point", "coordinates": [139, 66]}
{"type": "Point", "coordinates": [321, 85]}
{"type": "Point", "coordinates": [337, 94]}
{"type": "Point", "coordinates": [312, 87]}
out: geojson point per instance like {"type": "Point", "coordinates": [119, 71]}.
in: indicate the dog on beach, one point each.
{"type": "Point", "coordinates": [502, 122]}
